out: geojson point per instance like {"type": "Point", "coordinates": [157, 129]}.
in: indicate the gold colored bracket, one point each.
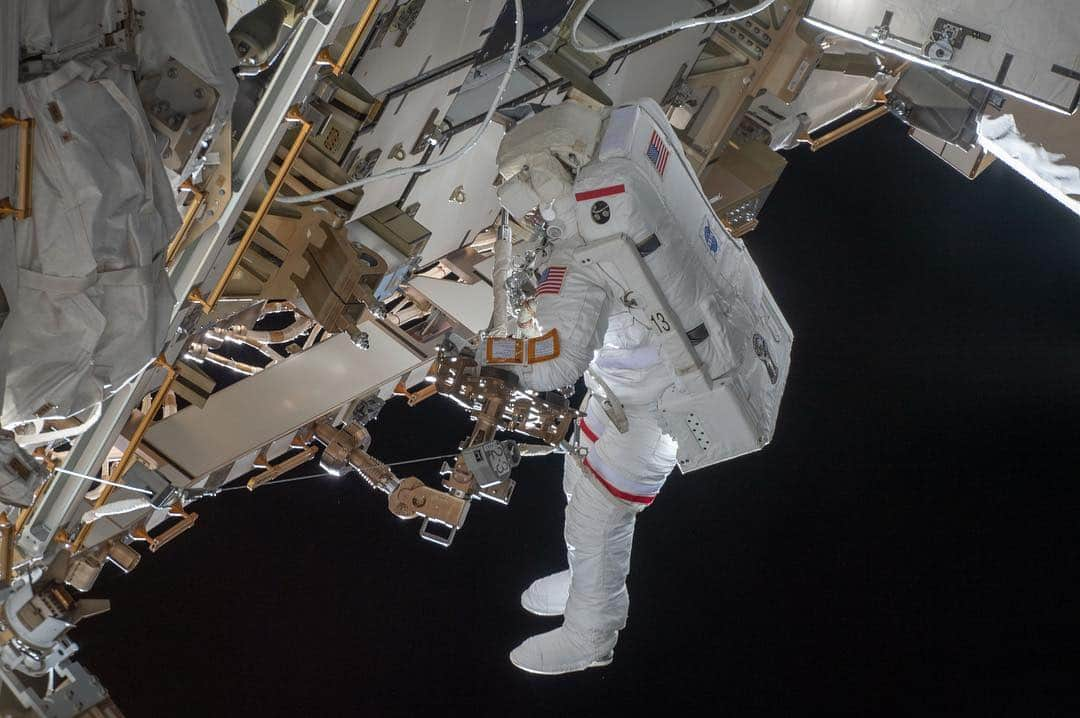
{"type": "Point", "coordinates": [413, 498]}
{"type": "Point", "coordinates": [293, 115]}
{"type": "Point", "coordinates": [26, 163]}
{"type": "Point", "coordinates": [742, 230]}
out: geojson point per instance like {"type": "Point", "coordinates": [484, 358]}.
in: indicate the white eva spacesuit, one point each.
{"type": "Point", "coordinates": [682, 347]}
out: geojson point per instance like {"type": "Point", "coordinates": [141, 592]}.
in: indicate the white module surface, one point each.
{"type": "Point", "coordinates": [1029, 48]}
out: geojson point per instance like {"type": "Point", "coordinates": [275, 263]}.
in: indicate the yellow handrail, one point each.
{"type": "Point", "coordinates": [293, 115]}
{"type": "Point", "coordinates": [198, 197]}
{"type": "Point", "coordinates": [338, 66]}
{"type": "Point", "coordinates": [26, 164]}
{"type": "Point", "coordinates": [818, 143]}
{"type": "Point", "coordinates": [128, 457]}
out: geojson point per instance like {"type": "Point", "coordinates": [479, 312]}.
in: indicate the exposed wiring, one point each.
{"type": "Point", "coordinates": [674, 27]}
{"type": "Point", "coordinates": [519, 24]}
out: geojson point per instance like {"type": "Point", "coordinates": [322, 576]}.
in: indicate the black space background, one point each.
{"type": "Point", "coordinates": [906, 546]}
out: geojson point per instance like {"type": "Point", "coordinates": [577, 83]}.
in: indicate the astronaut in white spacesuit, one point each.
{"type": "Point", "coordinates": [634, 325]}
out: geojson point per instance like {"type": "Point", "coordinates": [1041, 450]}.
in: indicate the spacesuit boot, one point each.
{"type": "Point", "coordinates": [599, 533]}
{"type": "Point", "coordinates": [547, 596]}
{"type": "Point", "coordinates": [562, 651]}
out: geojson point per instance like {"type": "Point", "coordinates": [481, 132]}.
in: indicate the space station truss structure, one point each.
{"type": "Point", "coordinates": [280, 327]}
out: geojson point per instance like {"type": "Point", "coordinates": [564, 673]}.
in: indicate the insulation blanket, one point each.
{"type": "Point", "coordinates": [90, 301]}
{"type": "Point", "coordinates": [1052, 172]}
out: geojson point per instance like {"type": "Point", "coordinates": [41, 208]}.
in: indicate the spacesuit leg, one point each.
{"type": "Point", "coordinates": [599, 533]}
{"type": "Point", "coordinates": [547, 596]}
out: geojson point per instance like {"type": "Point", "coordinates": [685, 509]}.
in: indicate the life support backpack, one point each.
{"type": "Point", "coordinates": [639, 203]}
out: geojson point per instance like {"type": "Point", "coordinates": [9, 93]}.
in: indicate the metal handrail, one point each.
{"type": "Point", "coordinates": [127, 459]}
{"type": "Point", "coordinates": [8, 118]}
{"type": "Point", "coordinates": [293, 115]}
{"type": "Point", "coordinates": [338, 66]}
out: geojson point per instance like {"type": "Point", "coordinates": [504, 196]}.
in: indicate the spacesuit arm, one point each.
{"type": "Point", "coordinates": [571, 308]}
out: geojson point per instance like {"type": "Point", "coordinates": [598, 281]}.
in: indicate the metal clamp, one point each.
{"type": "Point", "coordinates": [8, 118]}
{"type": "Point", "coordinates": [412, 498]}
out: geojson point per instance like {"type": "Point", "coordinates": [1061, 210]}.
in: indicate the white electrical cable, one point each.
{"type": "Point", "coordinates": [95, 479]}
{"type": "Point", "coordinates": [674, 27]}
{"type": "Point", "coordinates": [519, 24]}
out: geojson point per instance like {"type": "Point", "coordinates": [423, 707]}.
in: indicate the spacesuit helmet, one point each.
{"type": "Point", "coordinates": [543, 185]}
{"type": "Point", "coordinates": [539, 157]}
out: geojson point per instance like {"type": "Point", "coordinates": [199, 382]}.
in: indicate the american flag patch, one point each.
{"type": "Point", "coordinates": [658, 153]}
{"type": "Point", "coordinates": [551, 281]}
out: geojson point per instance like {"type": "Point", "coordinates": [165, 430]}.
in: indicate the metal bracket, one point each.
{"type": "Point", "coordinates": [325, 58]}
{"type": "Point", "coordinates": [405, 19]}
{"type": "Point", "coordinates": [431, 135]}
{"type": "Point", "coordinates": [435, 537]}
{"type": "Point", "coordinates": [954, 33]}
{"type": "Point", "coordinates": [820, 143]}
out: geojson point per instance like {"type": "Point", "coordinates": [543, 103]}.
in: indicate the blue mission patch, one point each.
{"type": "Point", "coordinates": [709, 237]}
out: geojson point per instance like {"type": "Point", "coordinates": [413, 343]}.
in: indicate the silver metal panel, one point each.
{"type": "Point", "coordinates": [445, 30]}
{"type": "Point", "coordinates": [454, 223]}
{"type": "Point", "coordinates": [628, 18]}
{"type": "Point", "coordinates": [476, 95]}
{"type": "Point", "coordinates": [651, 72]}
{"type": "Point", "coordinates": [963, 161]}
{"type": "Point", "coordinates": [403, 120]}
{"type": "Point", "coordinates": [1038, 34]}
{"type": "Point", "coordinates": [470, 304]}
{"type": "Point", "coordinates": [279, 400]}
{"type": "Point", "coordinates": [827, 97]}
